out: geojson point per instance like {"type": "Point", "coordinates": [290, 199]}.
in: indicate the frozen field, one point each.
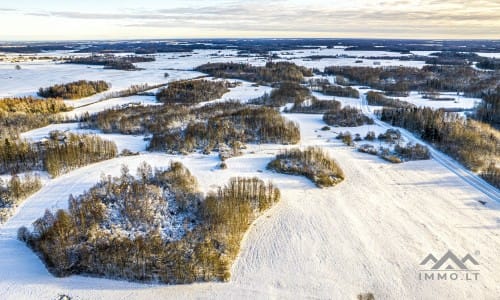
{"type": "Point", "coordinates": [368, 234]}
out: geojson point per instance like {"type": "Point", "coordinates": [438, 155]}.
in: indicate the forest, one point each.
{"type": "Point", "coordinates": [315, 106]}
{"type": "Point", "coordinates": [379, 99]}
{"type": "Point", "coordinates": [14, 191]}
{"type": "Point", "coordinates": [125, 63]}
{"type": "Point", "coordinates": [272, 72]}
{"type": "Point", "coordinates": [245, 125]}
{"type": "Point", "coordinates": [399, 81]}
{"type": "Point", "coordinates": [312, 163]}
{"type": "Point", "coordinates": [154, 227]}
{"type": "Point", "coordinates": [488, 111]}
{"type": "Point", "coordinates": [346, 117]}
{"type": "Point", "coordinates": [285, 92]}
{"type": "Point", "coordinates": [21, 114]}
{"type": "Point", "coordinates": [74, 90]}
{"type": "Point", "coordinates": [474, 144]}
{"type": "Point", "coordinates": [59, 154]}
{"type": "Point", "coordinates": [192, 91]}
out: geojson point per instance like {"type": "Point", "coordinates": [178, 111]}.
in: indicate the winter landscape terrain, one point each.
{"type": "Point", "coordinates": [367, 234]}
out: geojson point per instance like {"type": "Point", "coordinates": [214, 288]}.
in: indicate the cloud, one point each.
{"type": "Point", "coordinates": [398, 16]}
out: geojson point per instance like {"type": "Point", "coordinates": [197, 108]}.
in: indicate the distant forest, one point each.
{"type": "Point", "coordinates": [74, 90]}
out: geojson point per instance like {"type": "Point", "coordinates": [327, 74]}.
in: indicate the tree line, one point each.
{"type": "Point", "coordinates": [472, 143]}
{"type": "Point", "coordinates": [61, 153]}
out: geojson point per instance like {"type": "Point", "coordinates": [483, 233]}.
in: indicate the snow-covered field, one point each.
{"type": "Point", "coordinates": [368, 234]}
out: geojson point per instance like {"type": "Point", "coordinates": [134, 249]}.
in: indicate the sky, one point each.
{"type": "Point", "coordinates": [133, 19]}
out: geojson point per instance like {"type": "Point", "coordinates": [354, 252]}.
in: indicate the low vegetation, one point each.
{"type": "Point", "coordinates": [74, 90]}
{"type": "Point", "coordinates": [14, 191]}
{"type": "Point", "coordinates": [346, 117]}
{"type": "Point", "coordinates": [312, 163]}
{"type": "Point", "coordinates": [152, 228]}
{"type": "Point", "coordinates": [192, 91]}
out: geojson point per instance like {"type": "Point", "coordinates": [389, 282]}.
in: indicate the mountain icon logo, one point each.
{"type": "Point", "coordinates": [449, 261]}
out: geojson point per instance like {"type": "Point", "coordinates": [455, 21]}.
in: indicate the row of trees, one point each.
{"type": "Point", "coordinates": [192, 91]}
{"type": "Point", "coordinates": [312, 163]}
{"type": "Point", "coordinates": [473, 143]}
{"type": "Point", "coordinates": [137, 229]}
{"type": "Point", "coordinates": [15, 190]}
{"type": "Point", "coordinates": [271, 73]}
{"type": "Point", "coordinates": [74, 90]}
{"type": "Point", "coordinates": [59, 154]}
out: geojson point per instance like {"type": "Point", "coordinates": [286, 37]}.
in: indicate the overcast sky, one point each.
{"type": "Point", "coordinates": [119, 19]}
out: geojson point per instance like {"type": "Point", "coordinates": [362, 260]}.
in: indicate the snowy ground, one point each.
{"type": "Point", "coordinates": [368, 234]}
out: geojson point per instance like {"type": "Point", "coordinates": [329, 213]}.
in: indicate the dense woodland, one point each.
{"type": "Point", "coordinates": [346, 117]}
{"type": "Point", "coordinates": [246, 125]}
{"type": "Point", "coordinates": [74, 90]}
{"type": "Point", "coordinates": [153, 228]}
{"type": "Point", "coordinates": [315, 106]}
{"type": "Point", "coordinates": [312, 163]}
{"type": "Point", "coordinates": [285, 92]}
{"type": "Point", "coordinates": [61, 153]}
{"type": "Point", "coordinates": [14, 191]}
{"type": "Point", "coordinates": [192, 91]}
{"type": "Point", "coordinates": [399, 81]}
{"type": "Point", "coordinates": [272, 72]}
{"type": "Point", "coordinates": [474, 144]}
{"type": "Point", "coordinates": [25, 113]}
{"type": "Point", "coordinates": [379, 99]}
{"type": "Point", "coordinates": [125, 63]}
{"type": "Point", "coordinates": [489, 109]}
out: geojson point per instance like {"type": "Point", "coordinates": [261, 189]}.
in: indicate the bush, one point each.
{"type": "Point", "coordinates": [312, 163]}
